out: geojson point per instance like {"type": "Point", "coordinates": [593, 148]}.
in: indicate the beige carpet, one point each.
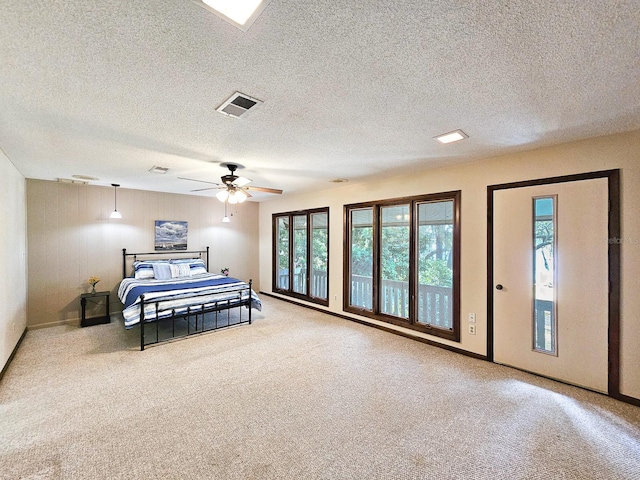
{"type": "Point", "coordinates": [297, 395]}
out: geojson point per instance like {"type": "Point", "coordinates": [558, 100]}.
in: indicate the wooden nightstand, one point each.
{"type": "Point", "coordinates": [97, 299]}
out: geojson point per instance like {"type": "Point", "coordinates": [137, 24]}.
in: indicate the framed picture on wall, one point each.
{"type": "Point", "coordinates": [171, 235]}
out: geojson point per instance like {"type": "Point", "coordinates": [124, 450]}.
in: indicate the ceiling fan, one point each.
{"type": "Point", "coordinates": [233, 188]}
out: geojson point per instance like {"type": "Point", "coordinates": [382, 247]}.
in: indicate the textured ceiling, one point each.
{"type": "Point", "coordinates": [351, 89]}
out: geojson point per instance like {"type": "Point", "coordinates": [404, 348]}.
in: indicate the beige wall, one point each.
{"type": "Point", "coordinates": [71, 237]}
{"type": "Point", "coordinates": [13, 262]}
{"type": "Point", "coordinates": [616, 151]}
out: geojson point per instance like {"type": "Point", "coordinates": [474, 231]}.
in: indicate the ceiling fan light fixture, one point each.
{"type": "Point", "coordinates": [222, 195]}
{"type": "Point", "coordinates": [240, 196]}
{"type": "Point", "coordinates": [232, 189]}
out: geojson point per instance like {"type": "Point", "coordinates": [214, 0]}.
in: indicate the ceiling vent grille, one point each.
{"type": "Point", "coordinates": [238, 104]}
{"type": "Point", "coordinates": [75, 182]}
{"type": "Point", "coordinates": [156, 169]}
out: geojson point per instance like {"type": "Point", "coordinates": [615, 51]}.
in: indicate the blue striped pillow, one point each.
{"type": "Point", "coordinates": [197, 267]}
{"type": "Point", "coordinates": [144, 268]}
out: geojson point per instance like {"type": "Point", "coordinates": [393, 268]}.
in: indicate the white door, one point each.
{"type": "Point", "coordinates": [551, 281]}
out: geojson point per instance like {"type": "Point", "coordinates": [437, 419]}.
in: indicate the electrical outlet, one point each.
{"type": "Point", "coordinates": [472, 329]}
{"type": "Point", "coordinates": [335, 297]}
{"type": "Point", "coordinates": [472, 318]}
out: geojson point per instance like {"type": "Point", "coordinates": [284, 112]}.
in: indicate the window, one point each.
{"type": "Point", "coordinates": [544, 275]}
{"type": "Point", "coordinates": [301, 254]}
{"type": "Point", "coordinates": [402, 262]}
{"type": "Point", "coordinates": [361, 255]}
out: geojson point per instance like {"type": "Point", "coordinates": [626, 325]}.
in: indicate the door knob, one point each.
{"type": "Point", "coordinates": [499, 287]}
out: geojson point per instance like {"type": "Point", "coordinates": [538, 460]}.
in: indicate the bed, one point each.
{"type": "Point", "coordinates": [172, 294]}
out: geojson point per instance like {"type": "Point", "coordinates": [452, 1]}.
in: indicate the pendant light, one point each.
{"type": "Point", "coordinates": [225, 219]}
{"type": "Point", "coordinates": [115, 213]}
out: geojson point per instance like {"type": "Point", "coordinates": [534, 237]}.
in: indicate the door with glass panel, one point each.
{"type": "Point", "coordinates": [301, 254]}
{"type": "Point", "coordinates": [282, 255]}
{"type": "Point", "coordinates": [550, 270]}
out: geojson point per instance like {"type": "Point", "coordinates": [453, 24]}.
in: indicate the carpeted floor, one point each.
{"type": "Point", "coordinates": [297, 395]}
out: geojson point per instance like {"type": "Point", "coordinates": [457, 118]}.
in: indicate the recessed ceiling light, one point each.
{"type": "Point", "coordinates": [239, 13]}
{"type": "Point", "coordinates": [452, 136]}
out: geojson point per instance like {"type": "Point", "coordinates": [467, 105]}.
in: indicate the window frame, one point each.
{"type": "Point", "coordinates": [274, 244]}
{"type": "Point", "coordinates": [375, 312]}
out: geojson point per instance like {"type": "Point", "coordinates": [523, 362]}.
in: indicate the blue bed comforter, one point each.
{"type": "Point", "coordinates": [177, 294]}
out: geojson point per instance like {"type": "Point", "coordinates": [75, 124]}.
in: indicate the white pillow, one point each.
{"type": "Point", "coordinates": [180, 270]}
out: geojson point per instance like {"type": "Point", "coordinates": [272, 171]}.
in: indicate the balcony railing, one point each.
{"type": "Point", "coordinates": [434, 303]}
{"type": "Point", "coordinates": [318, 282]}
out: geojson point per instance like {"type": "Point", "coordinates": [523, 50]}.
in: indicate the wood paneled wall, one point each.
{"type": "Point", "coordinates": [71, 237]}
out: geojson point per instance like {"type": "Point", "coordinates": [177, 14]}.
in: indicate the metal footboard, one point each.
{"type": "Point", "coordinates": [167, 324]}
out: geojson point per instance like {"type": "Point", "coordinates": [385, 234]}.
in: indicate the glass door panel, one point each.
{"type": "Point", "coordinates": [361, 256]}
{"type": "Point", "coordinates": [394, 260]}
{"type": "Point", "coordinates": [435, 264]}
{"type": "Point", "coordinates": [300, 254]}
{"type": "Point", "coordinates": [544, 275]}
{"type": "Point", "coordinates": [282, 280]}
{"type": "Point", "coordinates": [319, 254]}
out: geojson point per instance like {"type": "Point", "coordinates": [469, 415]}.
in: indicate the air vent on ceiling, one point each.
{"type": "Point", "coordinates": [156, 169]}
{"type": "Point", "coordinates": [88, 178]}
{"type": "Point", "coordinates": [76, 182]}
{"type": "Point", "coordinates": [238, 104]}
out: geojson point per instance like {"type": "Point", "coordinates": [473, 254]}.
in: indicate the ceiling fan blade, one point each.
{"type": "Point", "coordinates": [264, 189]}
{"type": "Point", "coordinates": [244, 190]}
{"type": "Point", "coordinates": [241, 181]}
{"type": "Point", "coordinates": [208, 188]}
{"type": "Point", "coordinates": [203, 181]}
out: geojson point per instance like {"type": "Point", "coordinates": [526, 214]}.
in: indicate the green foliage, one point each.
{"type": "Point", "coordinates": [300, 248]}
{"type": "Point", "coordinates": [283, 244]}
{"type": "Point", "coordinates": [436, 273]}
{"type": "Point", "coordinates": [362, 251]}
{"type": "Point", "coordinates": [395, 253]}
{"type": "Point", "coordinates": [320, 249]}
{"type": "Point", "coordinates": [434, 253]}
